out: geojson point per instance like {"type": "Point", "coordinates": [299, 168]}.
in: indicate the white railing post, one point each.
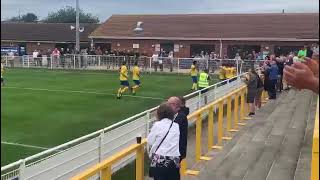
{"type": "Point", "coordinates": [22, 168]}
{"type": "Point", "coordinates": [178, 65]}
{"type": "Point", "coordinates": [150, 65]}
{"type": "Point", "coordinates": [199, 100]}
{"type": "Point", "coordinates": [99, 61]}
{"type": "Point", "coordinates": [100, 146]}
{"type": "Point", "coordinates": [79, 60]}
{"type": "Point", "coordinates": [28, 62]}
{"type": "Point", "coordinates": [51, 61]}
{"type": "Point", "coordinates": [6, 59]}
{"type": "Point", "coordinates": [74, 61]}
{"type": "Point", "coordinates": [147, 127]}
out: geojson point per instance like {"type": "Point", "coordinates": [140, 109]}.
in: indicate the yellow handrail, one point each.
{"type": "Point", "coordinates": [105, 166]}
{"type": "Point", "coordinates": [315, 148]}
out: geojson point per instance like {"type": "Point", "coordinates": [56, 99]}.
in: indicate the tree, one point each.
{"type": "Point", "coordinates": [68, 15]}
{"type": "Point", "coordinates": [29, 17]}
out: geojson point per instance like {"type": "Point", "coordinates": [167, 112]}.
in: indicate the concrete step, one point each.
{"type": "Point", "coordinates": [269, 146]}
{"type": "Point", "coordinates": [285, 163]}
{"type": "Point", "coordinates": [304, 163]}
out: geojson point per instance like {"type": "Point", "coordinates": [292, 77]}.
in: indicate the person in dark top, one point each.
{"type": "Point", "coordinates": [178, 107]}
{"type": "Point", "coordinates": [280, 64]}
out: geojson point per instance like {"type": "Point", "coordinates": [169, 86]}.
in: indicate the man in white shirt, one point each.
{"type": "Point", "coordinates": [155, 61]}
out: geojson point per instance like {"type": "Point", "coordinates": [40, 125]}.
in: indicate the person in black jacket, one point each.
{"type": "Point", "coordinates": [178, 107]}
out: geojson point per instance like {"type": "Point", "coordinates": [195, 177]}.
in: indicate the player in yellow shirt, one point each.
{"type": "Point", "coordinates": [135, 78]}
{"type": "Point", "coordinates": [194, 75]}
{"type": "Point", "coordinates": [123, 80]}
{"type": "Point", "coordinates": [2, 72]}
{"type": "Point", "coordinates": [222, 73]}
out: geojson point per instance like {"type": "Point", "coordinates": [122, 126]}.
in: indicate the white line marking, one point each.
{"type": "Point", "coordinates": [24, 145]}
{"type": "Point", "coordinates": [84, 92]}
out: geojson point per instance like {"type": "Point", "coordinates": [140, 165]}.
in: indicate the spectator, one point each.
{"type": "Point", "coordinates": [304, 75]}
{"type": "Point", "coordinates": [155, 61]}
{"type": "Point", "coordinates": [302, 53]}
{"type": "Point", "coordinates": [288, 62]}
{"type": "Point", "coordinates": [273, 72]}
{"type": "Point", "coordinates": [280, 64]}
{"type": "Point", "coordinates": [11, 58]}
{"type": "Point", "coordinates": [35, 56]}
{"type": "Point", "coordinates": [252, 84]}
{"type": "Point", "coordinates": [39, 58]}
{"type": "Point", "coordinates": [49, 57]}
{"type": "Point", "coordinates": [164, 141]}
{"type": "Point", "coordinates": [170, 58]}
{"type": "Point", "coordinates": [178, 106]}
{"type": "Point", "coordinates": [98, 51]}
{"type": "Point", "coordinates": [162, 55]}
{"type": "Point", "coordinates": [260, 86]}
{"type": "Point", "coordinates": [55, 56]}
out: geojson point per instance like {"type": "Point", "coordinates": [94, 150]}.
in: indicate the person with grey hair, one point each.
{"type": "Point", "coordinates": [178, 106]}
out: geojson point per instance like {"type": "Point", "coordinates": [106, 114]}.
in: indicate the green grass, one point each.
{"type": "Point", "coordinates": [49, 118]}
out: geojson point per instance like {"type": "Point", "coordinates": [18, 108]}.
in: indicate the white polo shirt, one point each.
{"type": "Point", "coordinates": [170, 146]}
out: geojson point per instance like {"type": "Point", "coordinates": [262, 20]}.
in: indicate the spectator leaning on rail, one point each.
{"type": "Point", "coordinates": [164, 141]}
{"type": "Point", "coordinates": [252, 83]}
{"type": "Point", "coordinates": [304, 75]}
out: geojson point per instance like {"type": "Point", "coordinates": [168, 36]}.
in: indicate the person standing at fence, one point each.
{"type": "Point", "coordinates": [164, 141]}
{"type": "Point", "coordinates": [123, 80]}
{"type": "Point", "coordinates": [280, 64]}
{"type": "Point", "coordinates": [257, 99]}
{"type": "Point", "coordinates": [55, 57]}
{"type": "Point", "coordinates": [194, 75]}
{"type": "Point", "coordinates": [252, 84]}
{"type": "Point", "coordinates": [273, 72]}
{"type": "Point", "coordinates": [135, 78]}
{"type": "Point", "coordinates": [155, 61]}
{"type": "Point", "coordinates": [170, 59]}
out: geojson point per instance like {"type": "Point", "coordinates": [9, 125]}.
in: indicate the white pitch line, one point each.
{"type": "Point", "coordinates": [24, 145]}
{"type": "Point", "coordinates": [84, 92]}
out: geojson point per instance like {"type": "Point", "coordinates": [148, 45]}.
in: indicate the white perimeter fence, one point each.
{"type": "Point", "coordinates": [107, 62]}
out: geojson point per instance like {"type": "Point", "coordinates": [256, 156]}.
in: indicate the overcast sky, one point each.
{"type": "Point", "coordinates": [105, 8]}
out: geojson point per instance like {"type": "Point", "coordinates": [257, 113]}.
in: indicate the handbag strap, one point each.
{"type": "Point", "coordinates": [166, 133]}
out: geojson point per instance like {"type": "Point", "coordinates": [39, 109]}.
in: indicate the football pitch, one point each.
{"type": "Point", "coordinates": [44, 108]}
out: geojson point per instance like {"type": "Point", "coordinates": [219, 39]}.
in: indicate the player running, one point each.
{"type": "Point", "coordinates": [123, 80]}
{"type": "Point", "coordinates": [194, 76]}
{"type": "Point", "coordinates": [135, 78]}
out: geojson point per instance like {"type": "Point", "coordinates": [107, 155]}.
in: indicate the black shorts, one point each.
{"type": "Point", "coordinates": [2, 80]}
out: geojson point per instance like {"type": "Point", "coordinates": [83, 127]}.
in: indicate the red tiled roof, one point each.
{"type": "Point", "coordinates": [57, 32]}
{"type": "Point", "coordinates": [211, 26]}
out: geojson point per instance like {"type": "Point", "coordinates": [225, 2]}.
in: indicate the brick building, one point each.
{"type": "Point", "coordinates": [225, 34]}
{"type": "Point", "coordinates": [42, 36]}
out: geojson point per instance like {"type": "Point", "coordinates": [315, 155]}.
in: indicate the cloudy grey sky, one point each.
{"type": "Point", "coordinates": [105, 8]}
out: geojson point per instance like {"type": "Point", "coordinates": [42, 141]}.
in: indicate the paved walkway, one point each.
{"type": "Point", "coordinates": [274, 145]}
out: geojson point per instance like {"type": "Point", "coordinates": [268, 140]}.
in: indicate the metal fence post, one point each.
{"type": "Point", "coordinates": [74, 61]}
{"type": "Point", "coordinates": [199, 100]}
{"type": "Point", "coordinates": [178, 65]}
{"type": "Point", "coordinates": [22, 168]}
{"type": "Point", "coordinates": [28, 62]}
{"type": "Point", "coordinates": [51, 62]}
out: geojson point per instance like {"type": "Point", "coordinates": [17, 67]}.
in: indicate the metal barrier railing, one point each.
{"type": "Point", "coordinates": [315, 148]}
{"type": "Point", "coordinates": [109, 62]}
{"type": "Point", "coordinates": [104, 168]}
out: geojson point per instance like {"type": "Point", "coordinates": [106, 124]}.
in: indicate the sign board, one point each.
{"type": "Point", "coordinates": [176, 48]}
{"type": "Point", "coordinates": [157, 48]}
{"type": "Point", "coordinates": [135, 46]}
